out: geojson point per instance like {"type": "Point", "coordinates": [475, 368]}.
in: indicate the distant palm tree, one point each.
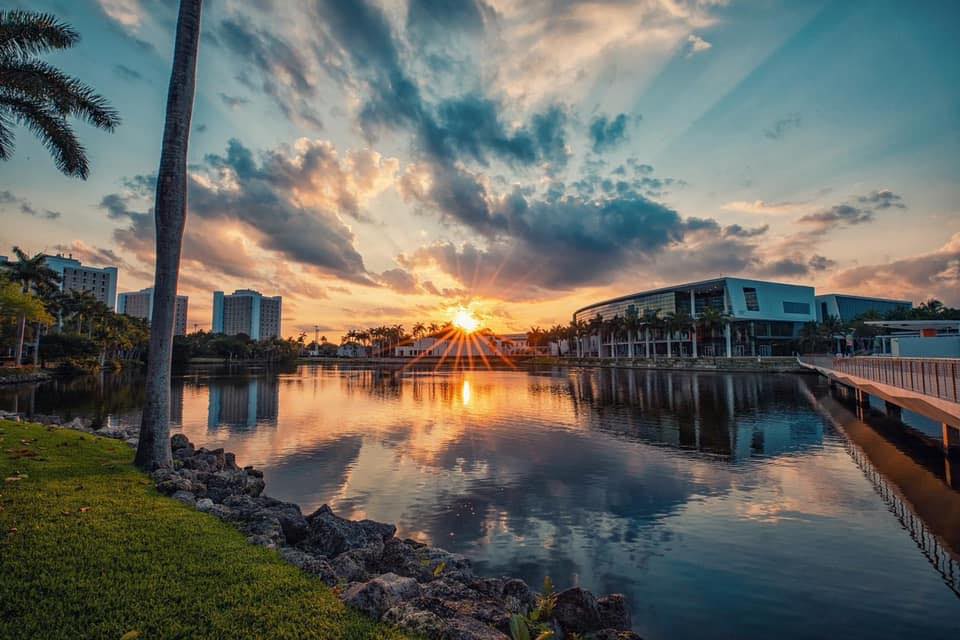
{"type": "Point", "coordinates": [170, 211]}
{"type": "Point", "coordinates": [40, 96]}
{"type": "Point", "coordinates": [33, 274]}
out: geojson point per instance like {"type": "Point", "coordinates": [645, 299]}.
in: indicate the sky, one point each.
{"type": "Point", "coordinates": [383, 162]}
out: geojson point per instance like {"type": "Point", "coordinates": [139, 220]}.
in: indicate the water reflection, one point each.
{"type": "Point", "coordinates": [721, 501]}
{"type": "Point", "coordinates": [241, 405]}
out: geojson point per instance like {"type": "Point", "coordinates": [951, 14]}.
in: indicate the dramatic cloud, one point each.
{"type": "Point", "coordinates": [286, 202]}
{"type": "Point", "coordinates": [271, 65]}
{"type": "Point", "coordinates": [607, 133]}
{"type": "Point", "coordinates": [882, 199]}
{"type": "Point", "coordinates": [930, 275]}
{"type": "Point", "coordinates": [25, 207]}
{"type": "Point", "coordinates": [696, 44]}
{"type": "Point", "coordinates": [735, 230]}
{"type": "Point", "coordinates": [781, 127]}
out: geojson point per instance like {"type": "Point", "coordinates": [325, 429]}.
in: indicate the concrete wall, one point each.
{"type": "Point", "coordinates": [918, 347]}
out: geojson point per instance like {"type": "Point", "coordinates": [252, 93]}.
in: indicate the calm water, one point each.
{"type": "Point", "coordinates": [725, 506]}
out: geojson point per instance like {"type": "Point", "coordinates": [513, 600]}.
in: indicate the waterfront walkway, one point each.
{"type": "Point", "coordinates": [927, 386]}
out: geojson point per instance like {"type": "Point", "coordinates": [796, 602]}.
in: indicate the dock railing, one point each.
{"type": "Point", "coordinates": [936, 377]}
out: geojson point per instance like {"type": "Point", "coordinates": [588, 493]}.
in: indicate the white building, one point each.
{"type": "Point", "coordinates": [248, 312]}
{"type": "Point", "coordinates": [100, 281]}
{"type": "Point", "coordinates": [139, 304]}
{"type": "Point", "coordinates": [352, 350]}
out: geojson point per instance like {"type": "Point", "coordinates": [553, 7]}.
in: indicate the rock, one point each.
{"type": "Point", "coordinates": [464, 628]}
{"type": "Point", "coordinates": [204, 505]}
{"type": "Point", "coordinates": [613, 611]}
{"type": "Point", "coordinates": [223, 484]}
{"type": "Point", "coordinates": [79, 424]}
{"type": "Point", "coordinates": [133, 442]}
{"type": "Point", "coordinates": [330, 535]}
{"type": "Point", "coordinates": [180, 441]}
{"type": "Point", "coordinates": [414, 560]}
{"type": "Point", "coordinates": [185, 497]}
{"type": "Point", "coordinates": [173, 485]}
{"type": "Point", "coordinates": [576, 611]}
{"type": "Point", "coordinates": [376, 596]}
{"type": "Point", "coordinates": [517, 596]}
{"type": "Point", "coordinates": [310, 564]}
{"type": "Point", "coordinates": [220, 511]}
{"type": "Point", "coordinates": [355, 565]}
{"type": "Point", "coordinates": [416, 621]}
{"type": "Point", "coordinates": [613, 634]}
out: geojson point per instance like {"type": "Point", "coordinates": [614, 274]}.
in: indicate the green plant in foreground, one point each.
{"type": "Point", "coordinates": [535, 626]}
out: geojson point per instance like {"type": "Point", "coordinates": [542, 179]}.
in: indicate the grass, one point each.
{"type": "Point", "coordinates": [89, 549]}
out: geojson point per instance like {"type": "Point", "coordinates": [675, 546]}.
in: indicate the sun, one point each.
{"type": "Point", "coordinates": [465, 321]}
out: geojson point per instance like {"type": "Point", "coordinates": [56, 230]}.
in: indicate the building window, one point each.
{"type": "Point", "coordinates": [796, 307]}
{"type": "Point", "coordinates": [750, 295]}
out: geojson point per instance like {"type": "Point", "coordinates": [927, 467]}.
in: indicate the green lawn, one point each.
{"type": "Point", "coordinates": [88, 549]}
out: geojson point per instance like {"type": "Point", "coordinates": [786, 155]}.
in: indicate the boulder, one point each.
{"type": "Point", "coordinates": [331, 535]}
{"type": "Point", "coordinates": [185, 497]}
{"type": "Point", "coordinates": [417, 621]}
{"type": "Point", "coordinates": [204, 505]}
{"type": "Point", "coordinates": [179, 441]}
{"type": "Point", "coordinates": [576, 611]}
{"type": "Point", "coordinates": [223, 484]}
{"type": "Point", "coordinates": [614, 613]}
{"type": "Point", "coordinates": [310, 564]}
{"type": "Point", "coordinates": [415, 560]}
{"type": "Point", "coordinates": [376, 596]}
{"type": "Point", "coordinates": [464, 628]}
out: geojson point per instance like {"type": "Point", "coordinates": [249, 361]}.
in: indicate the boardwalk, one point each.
{"type": "Point", "coordinates": [927, 386]}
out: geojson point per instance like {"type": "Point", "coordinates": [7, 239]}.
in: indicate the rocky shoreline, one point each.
{"type": "Point", "coordinates": [423, 589]}
{"type": "Point", "coordinates": [14, 377]}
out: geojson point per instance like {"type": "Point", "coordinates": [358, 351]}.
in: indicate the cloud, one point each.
{"type": "Point", "coordinates": [782, 126]}
{"type": "Point", "coordinates": [91, 255]}
{"type": "Point", "coordinates": [606, 133]}
{"type": "Point", "coordinates": [127, 73]}
{"type": "Point", "coordinates": [930, 275]}
{"type": "Point", "coordinates": [841, 214]}
{"type": "Point", "coordinates": [762, 207]}
{"type": "Point", "coordinates": [696, 44]}
{"type": "Point", "coordinates": [286, 202]}
{"type": "Point", "coordinates": [233, 101]}
{"type": "Point", "coordinates": [129, 14]}
{"type": "Point", "coordinates": [859, 210]}
{"type": "Point", "coordinates": [735, 230]}
{"type": "Point", "coordinates": [283, 71]}
{"type": "Point", "coordinates": [400, 280]}
{"type": "Point", "coordinates": [25, 207]}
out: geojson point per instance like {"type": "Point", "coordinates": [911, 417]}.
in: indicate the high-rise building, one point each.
{"type": "Point", "coordinates": [248, 312]}
{"type": "Point", "coordinates": [139, 304]}
{"type": "Point", "coordinates": [100, 281]}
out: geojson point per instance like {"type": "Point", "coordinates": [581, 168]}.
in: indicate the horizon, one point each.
{"type": "Point", "coordinates": [397, 161]}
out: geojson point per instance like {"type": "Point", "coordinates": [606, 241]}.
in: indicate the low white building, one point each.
{"type": "Point", "coordinates": [352, 350]}
{"type": "Point", "coordinates": [470, 345]}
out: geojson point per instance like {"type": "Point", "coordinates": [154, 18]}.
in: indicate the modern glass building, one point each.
{"type": "Point", "coordinates": [846, 307]}
{"type": "Point", "coordinates": [760, 318]}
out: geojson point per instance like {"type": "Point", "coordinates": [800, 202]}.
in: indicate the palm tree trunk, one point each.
{"type": "Point", "coordinates": [36, 345]}
{"type": "Point", "coordinates": [21, 331]}
{"type": "Point", "coordinates": [153, 449]}
{"type": "Point", "coordinates": [693, 337]}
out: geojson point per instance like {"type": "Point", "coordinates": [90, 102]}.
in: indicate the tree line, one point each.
{"type": "Point", "coordinates": [72, 328]}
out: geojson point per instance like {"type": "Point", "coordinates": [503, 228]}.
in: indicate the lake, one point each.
{"type": "Point", "coordinates": [723, 505]}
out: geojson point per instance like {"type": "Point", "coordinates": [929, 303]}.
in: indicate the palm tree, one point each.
{"type": "Point", "coordinates": [677, 321]}
{"type": "Point", "coordinates": [170, 212]}
{"type": "Point", "coordinates": [41, 97]}
{"type": "Point", "coordinates": [652, 320]}
{"type": "Point", "coordinates": [631, 323]}
{"type": "Point", "coordinates": [33, 274]}
{"type": "Point", "coordinates": [419, 329]}
{"type": "Point", "coordinates": [712, 318]}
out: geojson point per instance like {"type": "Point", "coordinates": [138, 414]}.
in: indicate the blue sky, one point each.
{"type": "Point", "coordinates": [384, 161]}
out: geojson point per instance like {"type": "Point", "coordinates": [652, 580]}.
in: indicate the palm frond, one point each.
{"type": "Point", "coordinates": [53, 131]}
{"type": "Point", "coordinates": [40, 82]}
{"type": "Point", "coordinates": [6, 137]}
{"type": "Point", "coordinates": [26, 33]}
